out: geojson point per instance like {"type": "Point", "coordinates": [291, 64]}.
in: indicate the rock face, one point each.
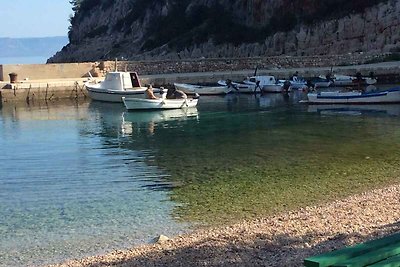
{"type": "Point", "coordinates": [172, 29]}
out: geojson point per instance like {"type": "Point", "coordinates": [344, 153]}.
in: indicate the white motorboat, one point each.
{"type": "Point", "coordinates": [117, 85]}
{"type": "Point", "coordinates": [160, 103]}
{"type": "Point", "coordinates": [264, 83]}
{"type": "Point", "coordinates": [355, 97]}
{"type": "Point", "coordinates": [203, 90]}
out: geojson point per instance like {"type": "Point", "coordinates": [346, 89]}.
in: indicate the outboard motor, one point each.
{"type": "Point", "coordinates": [286, 86]}
{"type": "Point", "coordinates": [163, 92]}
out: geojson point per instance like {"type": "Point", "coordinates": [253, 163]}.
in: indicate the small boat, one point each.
{"type": "Point", "coordinates": [203, 90]}
{"type": "Point", "coordinates": [320, 82]}
{"type": "Point", "coordinates": [296, 83]}
{"type": "Point", "coordinates": [238, 87]}
{"type": "Point", "coordinates": [117, 85]}
{"type": "Point", "coordinates": [266, 83]}
{"type": "Point", "coordinates": [355, 97]}
{"type": "Point", "coordinates": [161, 103]}
{"type": "Point", "coordinates": [345, 80]}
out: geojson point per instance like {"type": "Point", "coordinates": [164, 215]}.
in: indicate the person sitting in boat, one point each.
{"type": "Point", "coordinates": [286, 87]}
{"type": "Point", "coordinates": [149, 92]}
{"type": "Point", "coordinates": [175, 94]}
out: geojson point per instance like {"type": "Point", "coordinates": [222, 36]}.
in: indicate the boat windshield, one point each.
{"type": "Point", "coordinates": [135, 80]}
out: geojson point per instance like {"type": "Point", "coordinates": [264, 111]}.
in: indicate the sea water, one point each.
{"type": "Point", "coordinates": [68, 188]}
{"type": "Point", "coordinates": [79, 179]}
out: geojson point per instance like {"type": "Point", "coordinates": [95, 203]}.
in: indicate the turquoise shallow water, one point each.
{"type": "Point", "coordinates": [82, 179]}
{"type": "Point", "coordinates": [67, 188]}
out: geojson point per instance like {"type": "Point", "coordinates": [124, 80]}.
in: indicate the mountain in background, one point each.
{"type": "Point", "coordinates": [31, 47]}
{"type": "Point", "coordinates": [173, 29]}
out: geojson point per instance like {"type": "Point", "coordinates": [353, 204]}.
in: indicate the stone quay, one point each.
{"type": "Point", "coordinates": [50, 82]}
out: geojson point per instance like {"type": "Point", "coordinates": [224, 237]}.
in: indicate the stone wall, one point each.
{"type": "Point", "coordinates": [150, 67]}
{"type": "Point", "coordinates": [46, 71]}
{"type": "Point", "coordinates": [236, 64]}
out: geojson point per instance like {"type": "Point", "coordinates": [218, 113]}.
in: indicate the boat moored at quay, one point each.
{"type": "Point", "coordinates": [355, 97]}
{"type": "Point", "coordinates": [117, 85]}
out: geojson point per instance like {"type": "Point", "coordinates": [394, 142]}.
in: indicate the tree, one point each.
{"type": "Point", "coordinates": [76, 4]}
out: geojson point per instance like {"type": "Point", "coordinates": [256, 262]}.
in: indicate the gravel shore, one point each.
{"type": "Point", "coordinates": [280, 240]}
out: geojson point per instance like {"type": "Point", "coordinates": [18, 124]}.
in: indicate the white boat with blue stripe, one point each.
{"type": "Point", "coordinates": [355, 97]}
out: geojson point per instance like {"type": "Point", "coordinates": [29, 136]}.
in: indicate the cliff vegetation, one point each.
{"type": "Point", "coordinates": [105, 29]}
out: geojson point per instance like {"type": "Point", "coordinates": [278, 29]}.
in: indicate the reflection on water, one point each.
{"type": "Point", "coordinates": [81, 178]}
{"type": "Point", "coordinates": [161, 115]}
{"type": "Point", "coordinates": [373, 109]}
{"type": "Point", "coordinates": [251, 155]}
{"type": "Point", "coordinates": [136, 120]}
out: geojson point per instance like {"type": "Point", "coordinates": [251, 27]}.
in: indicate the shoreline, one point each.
{"type": "Point", "coordinates": [279, 240]}
{"type": "Point", "coordinates": [53, 84]}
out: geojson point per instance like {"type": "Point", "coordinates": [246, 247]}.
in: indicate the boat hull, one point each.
{"type": "Point", "coordinates": [388, 96]}
{"type": "Point", "coordinates": [109, 95]}
{"type": "Point", "coordinates": [322, 84]}
{"type": "Point", "coordinates": [144, 104]}
{"type": "Point", "coordinates": [246, 88]}
{"type": "Point", "coordinates": [298, 86]}
{"type": "Point", "coordinates": [114, 95]}
{"type": "Point", "coordinates": [273, 88]}
{"type": "Point", "coordinates": [343, 80]}
{"type": "Point", "coordinates": [202, 90]}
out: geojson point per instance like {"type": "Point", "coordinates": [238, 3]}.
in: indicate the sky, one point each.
{"type": "Point", "coordinates": [34, 18]}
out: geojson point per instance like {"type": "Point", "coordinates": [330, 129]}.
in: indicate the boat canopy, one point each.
{"type": "Point", "coordinates": [121, 81]}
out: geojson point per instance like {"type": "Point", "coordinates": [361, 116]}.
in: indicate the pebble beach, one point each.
{"type": "Point", "coordinates": [279, 240]}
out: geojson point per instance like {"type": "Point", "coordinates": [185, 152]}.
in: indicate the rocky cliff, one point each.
{"type": "Point", "coordinates": [172, 29]}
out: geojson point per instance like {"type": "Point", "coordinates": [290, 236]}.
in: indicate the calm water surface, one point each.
{"type": "Point", "coordinates": [80, 179]}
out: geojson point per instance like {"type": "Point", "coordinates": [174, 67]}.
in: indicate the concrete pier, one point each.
{"type": "Point", "coordinates": [50, 90]}
{"type": "Point", "coordinates": [70, 88]}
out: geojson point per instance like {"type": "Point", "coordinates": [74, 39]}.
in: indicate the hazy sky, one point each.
{"type": "Point", "coordinates": [34, 18]}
